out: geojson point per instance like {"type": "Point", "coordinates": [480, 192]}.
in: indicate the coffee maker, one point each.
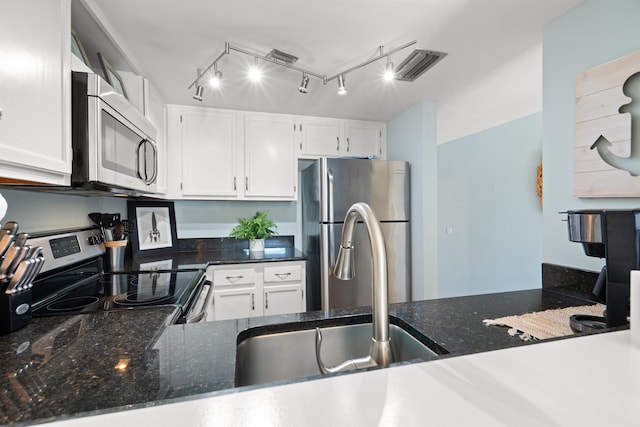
{"type": "Point", "coordinates": [612, 235]}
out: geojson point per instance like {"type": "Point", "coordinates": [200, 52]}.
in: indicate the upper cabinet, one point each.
{"type": "Point", "coordinates": [321, 137]}
{"type": "Point", "coordinates": [362, 139]}
{"type": "Point", "coordinates": [270, 165]}
{"type": "Point", "coordinates": [35, 95]}
{"type": "Point", "coordinates": [229, 155]}
{"type": "Point", "coordinates": [233, 155]}
{"type": "Point", "coordinates": [208, 151]}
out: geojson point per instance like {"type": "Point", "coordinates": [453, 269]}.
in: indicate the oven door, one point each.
{"type": "Point", "coordinates": [125, 156]}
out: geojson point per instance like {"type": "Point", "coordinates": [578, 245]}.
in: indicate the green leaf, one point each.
{"type": "Point", "coordinates": [256, 227]}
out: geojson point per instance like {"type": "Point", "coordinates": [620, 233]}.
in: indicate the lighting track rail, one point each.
{"type": "Point", "coordinates": [286, 60]}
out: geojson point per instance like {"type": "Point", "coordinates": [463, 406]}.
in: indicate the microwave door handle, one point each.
{"type": "Point", "coordinates": [142, 172]}
{"type": "Point", "coordinates": [140, 161]}
{"type": "Point", "coordinates": [155, 162]}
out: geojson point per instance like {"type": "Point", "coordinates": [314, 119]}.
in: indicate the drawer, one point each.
{"type": "Point", "coordinates": [285, 273]}
{"type": "Point", "coordinates": [240, 276]}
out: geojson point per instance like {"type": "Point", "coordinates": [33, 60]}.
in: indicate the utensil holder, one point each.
{"type": "Point", "coordinates": [115, 254]}
{"type": "Point", "coordinates": [15, 310]}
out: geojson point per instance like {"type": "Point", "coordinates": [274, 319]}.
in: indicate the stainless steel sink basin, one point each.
{"type": "Point", "coordinates": [288, 355]}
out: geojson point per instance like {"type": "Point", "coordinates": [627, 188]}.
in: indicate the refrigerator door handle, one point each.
{"type": "Point", "coordinates": [330, 187]}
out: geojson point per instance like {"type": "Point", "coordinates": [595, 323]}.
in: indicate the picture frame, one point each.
{"type": "Point", "coordinates": [111, 76]}
{"type": "Point", "coordinates": [78, 49]}
{"type": "Point", "coordinates": [155, 227]}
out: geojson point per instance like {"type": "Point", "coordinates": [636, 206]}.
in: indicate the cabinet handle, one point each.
{"type": "Point", "coordinates": [283, 276]}
{"type": "Point", "coordinates": [338, 145]}
{"type": "Point", "coordinates": [348, 145]}
{"type": "Point", "coordinates": [246, 183]}
{"type": "Point", "coordinates": [234, 183]}
{"type": "Point", "coordinates": [233, 279]}
{"type": "Point", "coordinates": [253, 302]}
{"type": "Point", "coordinates": [266, 300]}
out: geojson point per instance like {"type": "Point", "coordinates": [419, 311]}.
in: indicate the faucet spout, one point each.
{"type": "Point", "coordinates": [380, 353]}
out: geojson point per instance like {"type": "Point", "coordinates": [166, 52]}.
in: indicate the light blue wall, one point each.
{"type": "Point", "coordinates": [196, 219]}
{"type": "Point", "coordinates": [599, 31]}
{"type": "Point", "coordinates": [489, 215]}
{"type": "Point", "coordinates": [411, 136]}
{"type": "Point", "coordinates": [37, 211]}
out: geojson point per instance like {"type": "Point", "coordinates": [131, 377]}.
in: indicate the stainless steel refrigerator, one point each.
{"type": "Point", "coordinates": [329, 187]}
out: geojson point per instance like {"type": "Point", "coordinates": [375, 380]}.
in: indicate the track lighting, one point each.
{"type": "Point", "coordinates": [216, 79]}
{"type": "Point", "coordinates": [389, 73]}
{"type": "Point", "coordinates": [408, 70]}
{"type": "Point", "coordinates": [199, 92]}
{"type": "Point", "coordinates": [304, 83]}
{"type": "Point", "coordinates": [255, 73]}
{"type": "Point", "coordinates": [342, 89]}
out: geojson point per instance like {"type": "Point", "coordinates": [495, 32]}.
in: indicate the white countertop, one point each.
{"type": "Point", "coordinates": [584, 381]}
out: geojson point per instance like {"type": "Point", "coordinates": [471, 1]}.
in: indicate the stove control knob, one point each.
{"type": "Point", "coordinates": [94, 239]}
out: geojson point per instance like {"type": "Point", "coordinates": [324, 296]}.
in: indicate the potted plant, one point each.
{"type": "Point", "coordinates": [256, 229]}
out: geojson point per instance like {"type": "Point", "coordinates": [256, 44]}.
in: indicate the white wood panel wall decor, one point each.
{"type": "Point", "coordinates": [607, 130]}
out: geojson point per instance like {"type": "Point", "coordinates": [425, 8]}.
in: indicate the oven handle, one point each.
{"type": "Point", "coordinates": [198, 317]}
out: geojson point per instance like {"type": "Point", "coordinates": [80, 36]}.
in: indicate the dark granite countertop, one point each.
{"type": "Point", "coordinates": [198, 253]}
{"type": "Point", "coordinates": [61, 367]}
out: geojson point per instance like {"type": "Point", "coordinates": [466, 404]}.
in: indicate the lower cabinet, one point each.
{"type": "Point", "coordinates": [260, 290]}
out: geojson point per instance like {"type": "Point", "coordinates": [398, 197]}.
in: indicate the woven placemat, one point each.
{"type": "Point", "coordinates": [544, 324]}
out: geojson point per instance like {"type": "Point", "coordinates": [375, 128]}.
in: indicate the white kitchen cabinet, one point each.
{"type": "Point", "coordinates": [282, 299]}
{"type": "Point", "coordinates": [262, 289]}
{"type": "Point", "coordinates": [284, 288]}
{"type": "Point", "coordinates": [322, 137]}
{"type": "Point", "coordinates": [35, 94]}
{"type": "Point", "coordinates": [235, 292]}
{"type": "Point", "coordinates": [270, 164]}
{"type": "Point", "coordinates": [362, 139]}
{"type": "Point", "coordinates": [208, 141]}
{"type": "Point", "coordinates": [229, 155]}
{"type": "Point", "coordinates": [234, 303]}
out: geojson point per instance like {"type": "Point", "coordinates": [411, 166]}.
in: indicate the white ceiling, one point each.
{"type": "Point", "coordinates": [167, 40]}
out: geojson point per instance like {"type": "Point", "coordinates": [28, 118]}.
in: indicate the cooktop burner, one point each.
{"type": "Point", "coordinates": [85, 289]}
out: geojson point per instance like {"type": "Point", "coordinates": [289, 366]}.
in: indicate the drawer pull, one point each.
{"type": "Point", "coordinates": [233, 279]}
{"type": "Point", "coordinates": [283, 276]}
{"type": "Point", "coordinates": [253, 302]}
{"type": "Point", "coordinates": [266, 300]}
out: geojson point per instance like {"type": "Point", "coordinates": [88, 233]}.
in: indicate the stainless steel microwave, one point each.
{"type": "Point", "coordinates": [114, 146]}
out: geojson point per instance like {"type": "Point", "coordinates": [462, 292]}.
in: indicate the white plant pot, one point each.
{"type": "Point", "coordinates": [256, 245]}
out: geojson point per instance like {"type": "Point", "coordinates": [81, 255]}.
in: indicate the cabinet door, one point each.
{"type": "Point", "coordinates": [321, 138]}
{"type": "Point", "coordinates": [35, 93]}
{"type": "Point", "coordinates": [362, 139]}
{"type": "Point", "coordinates": [282, 299]}
{"type": "Point", "coordinates": [270, 162]}
{"type": "Point", "coordinates": [235, 303]}
{"type": "Point", "coordinates": [208, 144]}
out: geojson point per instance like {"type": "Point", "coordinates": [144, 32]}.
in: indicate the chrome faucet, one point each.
{"type": "Point", "coordinates": [380, 350]}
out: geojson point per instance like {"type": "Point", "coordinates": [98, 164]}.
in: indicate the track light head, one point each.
{"type": "Point", "coordinates": [304, 83]}
{"type": "Point", "coordinates": [255, 73]}
{"type": "Point", "coordinates": [216, 80]}
{"type": "Point", "coordinates": [389, 73]}
{"type": "Point", "coordinates": [199, 92]}
{"type": "Point", "coordinates": [342, 89]}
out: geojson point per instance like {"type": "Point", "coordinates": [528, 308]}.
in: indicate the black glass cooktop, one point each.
{"type": "Point", "coordinates": [85, 289]}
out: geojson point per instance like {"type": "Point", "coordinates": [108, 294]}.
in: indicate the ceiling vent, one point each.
{"type": "Point", "coordinates": [416, 63]}
{"type": "Point", "coordinates": [281, 56]}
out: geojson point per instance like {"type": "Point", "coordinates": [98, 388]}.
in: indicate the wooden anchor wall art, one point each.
{"type": "Point", "coordinates": [607, 131]}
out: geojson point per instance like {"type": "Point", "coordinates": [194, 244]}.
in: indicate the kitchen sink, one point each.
{"type": "Point", "coordinates": [266, 356]}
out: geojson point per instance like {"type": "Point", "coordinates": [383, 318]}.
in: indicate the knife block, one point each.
{"type": "Point", "coordinates": [15, 310]}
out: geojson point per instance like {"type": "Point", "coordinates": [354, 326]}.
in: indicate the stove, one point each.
{"type": "Point", "coordinates": [85, 289]}
{"type": "Point", "coordinates": [73, 280]}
